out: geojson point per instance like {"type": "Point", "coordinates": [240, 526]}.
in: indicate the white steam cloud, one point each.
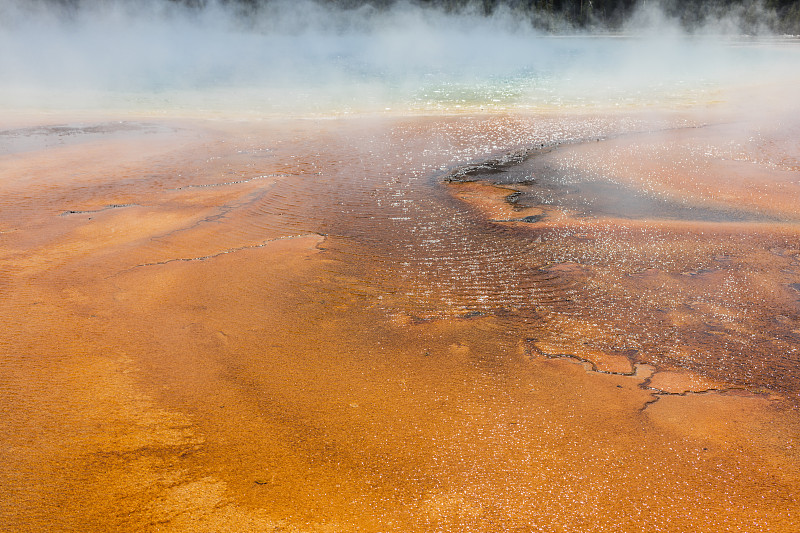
{"type": "Point", "coordinates": [300, 56]}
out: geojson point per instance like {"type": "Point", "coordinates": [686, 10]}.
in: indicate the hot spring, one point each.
{"type": "Point", "coordinates": [319, 269]}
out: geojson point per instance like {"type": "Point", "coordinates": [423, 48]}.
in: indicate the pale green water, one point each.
{"type": "Point", "coordinates": [300, 60]}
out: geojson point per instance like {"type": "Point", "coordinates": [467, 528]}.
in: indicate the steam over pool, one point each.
{"type": "Point", "coordinates": [302, 268]}
{"type": "Point", "coordinates": [303, 57]}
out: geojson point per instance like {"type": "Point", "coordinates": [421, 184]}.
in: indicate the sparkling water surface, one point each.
{"type": "Point", "coordinates": [314, 272]}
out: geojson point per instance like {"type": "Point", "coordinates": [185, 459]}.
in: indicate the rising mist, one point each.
{"type": "Point", "coordinates": [308, 56]}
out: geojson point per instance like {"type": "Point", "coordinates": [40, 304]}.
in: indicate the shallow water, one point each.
{"type": "Point", "coordinates": [304, 325]}
{"type": "Point", "coordinates": [672, 277]}
{"type": "Point", "coordinates": [533, 295]}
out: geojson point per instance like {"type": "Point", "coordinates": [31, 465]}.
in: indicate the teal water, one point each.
{"type": "Point", "coordinates": [300, 58]}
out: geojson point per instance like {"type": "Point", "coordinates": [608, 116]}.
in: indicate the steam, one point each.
{"type": "Point", "coordinates": [302, 56]}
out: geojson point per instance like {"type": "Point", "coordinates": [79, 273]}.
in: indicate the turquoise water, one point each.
{"type": "Point", "coordinates": [301, 58]}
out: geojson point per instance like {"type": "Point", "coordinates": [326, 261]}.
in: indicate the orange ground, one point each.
{"type": "Point", "coordinates": [295, 326]}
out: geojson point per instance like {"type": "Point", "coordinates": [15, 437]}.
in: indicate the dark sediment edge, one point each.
{"type": "Point", "coordinates": [639, 370]}
{"type": "Point", "coordinates": [90, 211]}
{"type": "Point", "coordinates": [223, 252]}
{"type": "Point", "coordinates": [497, 164]}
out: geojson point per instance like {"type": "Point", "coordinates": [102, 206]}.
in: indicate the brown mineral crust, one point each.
{"type": "Point", "coordinates": [675, 382]}
{"type": "Point", "coordinates": [707, 286]}
{"type": "Point", "coordinates": [255, 335]}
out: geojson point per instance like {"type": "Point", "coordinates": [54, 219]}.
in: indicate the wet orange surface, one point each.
{"type": "Point", "coordinates": [307, 326]}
